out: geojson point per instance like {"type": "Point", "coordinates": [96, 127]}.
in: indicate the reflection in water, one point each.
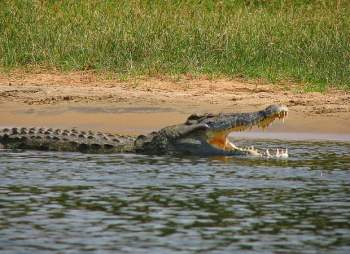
{"type": "Point", "coordinates": [70, 202]}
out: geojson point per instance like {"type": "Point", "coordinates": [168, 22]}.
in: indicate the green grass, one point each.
{"type": "Point", "coordinates": [306, 41]}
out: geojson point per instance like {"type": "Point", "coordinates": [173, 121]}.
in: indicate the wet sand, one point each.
{"type": "Point", "coordinates": [88, 101]}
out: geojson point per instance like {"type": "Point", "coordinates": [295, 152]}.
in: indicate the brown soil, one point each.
{"type": "Point", "coordinates": [87, 100]}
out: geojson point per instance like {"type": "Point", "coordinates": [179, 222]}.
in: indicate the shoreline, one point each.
{"type": "Point", "coordinates": [138, 106]}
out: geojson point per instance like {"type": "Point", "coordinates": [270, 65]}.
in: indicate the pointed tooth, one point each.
{"type": "Point", "coordinates": [284, 154]}
{"type": "Point", "coordinates": [277, 153]}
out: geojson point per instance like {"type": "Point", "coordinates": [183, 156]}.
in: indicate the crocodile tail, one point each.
{"type": "Point", "coordinates": [48, 139]}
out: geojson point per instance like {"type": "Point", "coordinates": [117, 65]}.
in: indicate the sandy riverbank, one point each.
{"type": "Point", "coordinates": [89, 101]}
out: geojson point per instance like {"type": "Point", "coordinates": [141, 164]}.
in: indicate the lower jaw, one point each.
{"type": "Point", "coordinates": [251, 151]}
{"type": "Point", "coordinates": [243, 152]}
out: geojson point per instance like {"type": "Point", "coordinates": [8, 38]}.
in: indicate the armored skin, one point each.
{"type": "Point", "coordinates": [203, 135]}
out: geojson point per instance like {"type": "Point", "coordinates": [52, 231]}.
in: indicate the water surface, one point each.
{"type": "Point", "coordinates": [54, 202]}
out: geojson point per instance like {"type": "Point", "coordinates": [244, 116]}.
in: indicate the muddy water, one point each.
{"type": "Point", "coordinates": [73, 203]}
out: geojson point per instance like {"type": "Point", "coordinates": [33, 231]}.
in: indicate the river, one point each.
{"type": "Point", "coordinates": [54, 202]}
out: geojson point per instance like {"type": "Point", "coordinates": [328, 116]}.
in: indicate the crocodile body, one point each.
{"type": "Point", "coordinates": [200, 135]}
{"type": "Point", "coordinates": [49, 139]}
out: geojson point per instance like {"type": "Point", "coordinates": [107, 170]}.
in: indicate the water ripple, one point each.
{"type": "Point", "coordinates": [71, 202]}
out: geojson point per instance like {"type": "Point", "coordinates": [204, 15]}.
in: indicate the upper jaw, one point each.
{"type": "Point", "coordinates": [241, 121]}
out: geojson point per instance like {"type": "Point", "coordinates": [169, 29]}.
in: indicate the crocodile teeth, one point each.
{"type": "Point", "coordinates": [268, 155]}
{"type": "Point", "coordinates": [281, 154]}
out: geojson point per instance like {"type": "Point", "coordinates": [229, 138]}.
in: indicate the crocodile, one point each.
{"type": "Point", "coordinates": [201, 134]}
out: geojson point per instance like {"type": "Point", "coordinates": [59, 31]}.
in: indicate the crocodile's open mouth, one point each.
{"type": "Point", "coordinates": [219, 139]}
